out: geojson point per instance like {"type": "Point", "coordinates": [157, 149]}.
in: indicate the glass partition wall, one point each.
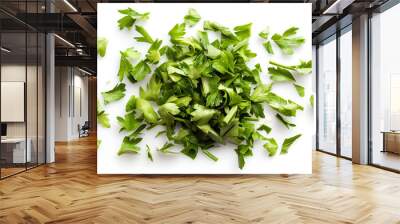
{"type": "Point", "coordinates": [327, 95]}
{"type": "Point", "coordinates": [334, 89]}
{"type": "Point", "coordinates": [385, 90]}
{"type": "Point", "coordinates": [22, 77]}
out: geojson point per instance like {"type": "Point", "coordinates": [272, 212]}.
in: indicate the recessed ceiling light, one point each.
{"type": "Point", "coordinates": [70, 5]}
{"type": "Point", "coordinates": [337, 7]}
{"type": "Point", "coordinates": [64, 40]}
{"type": "Point", "coordinates": [5, 50]}
{"type": "Point", "coordinates": [84, 71]}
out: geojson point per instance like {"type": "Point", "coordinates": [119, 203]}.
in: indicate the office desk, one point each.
{"type": "Point", "coordinates": [391, 141]}
{"type": "Point", "coordinates": [17, 150]}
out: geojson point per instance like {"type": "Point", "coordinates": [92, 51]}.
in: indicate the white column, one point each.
{"type": "Point", "coordinates": [50, 99]}
{"type": "Point", "coordinates": [360, 90]}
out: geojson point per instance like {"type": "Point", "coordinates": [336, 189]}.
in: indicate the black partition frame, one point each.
{"type": "Point", "coordinates": [39, 117]}
{"type": "Point", "coordinates": [334, 37]}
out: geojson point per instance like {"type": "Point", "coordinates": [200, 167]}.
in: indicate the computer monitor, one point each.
{"type": "Point", "coordinates": [3, 129]}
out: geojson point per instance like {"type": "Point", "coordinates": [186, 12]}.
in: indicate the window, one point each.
{"type": "Point", "coordinates": [385, 89]}
{"type": "Point", "coordinates": [327, 96]}
{"type": "Point", "coordinates": [346, 92]}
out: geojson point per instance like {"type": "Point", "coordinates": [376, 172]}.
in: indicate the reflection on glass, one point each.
{"type": "Point", "coordinates": [385, 83]}
{"type": "Point", "coordinates": [31, 97]}
{"type": "Point", "coordinates": [327, 96]}
{"type": "Point", "coordinates": [346, 94]}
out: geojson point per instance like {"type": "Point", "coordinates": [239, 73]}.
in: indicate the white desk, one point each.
{"type": "Point", "coordinates": [19, 155]}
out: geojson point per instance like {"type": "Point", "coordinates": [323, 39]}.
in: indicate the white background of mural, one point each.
{"type": "Point", "coordinates": [163, 17]}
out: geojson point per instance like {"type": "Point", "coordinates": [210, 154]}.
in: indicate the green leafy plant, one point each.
{"type": "Point", "coordinates": [116, 93]}
{"type": "Point", "coordinates": [204, 93]}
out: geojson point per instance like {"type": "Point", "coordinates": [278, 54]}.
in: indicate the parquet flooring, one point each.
{"type": "Point", "coordinates": [70, 191]}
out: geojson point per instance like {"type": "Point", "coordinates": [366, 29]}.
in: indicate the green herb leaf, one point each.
{"type": "Point", "coordinates": [153, 55]}
{"type": "Point", "coordinates": [283, 106]}
{"type": "Point", "coordinates": [192, 18]}
{"type": "Point", "coordinates": [177, 32]}
{"type": "Point", "coordinates": [102, 116]}
{"type": "Point", "coordinates": [140, 71]}
{"type": "Point", "coordinates": [280, 75]}
{"type": "Point", "coordinates": [243, 151]}
{"type": "Point", "coordinates": [265, 128]}
{"type": "Point", "coordinates": [146, 38]}
{"type": "Point", "coordinates": [171, 108]}
{"type": "Point", "coordinates": [261, 93]}
{"type": "Point", "coordinates": [271, 146]}
{"type": "Point", "coordinates": [130, 18]}
{"type": "Point", "coordinates": [312, 100]}
{"type": "Point", "coordinates": [284, 121]}
{"type": "Point", "coordinates": [102, 46]}
{"type": "Point", "coordinates": [129, 146]}
{"type": "Point", "coordinates": [207, 129]}
{"type": "Point", "coordinates": [287, 42]}
{"type": "Point", "coordinates": [165, 148]}
{"type": "Point", "coordinates": [115, 94]}
{"type": "Point", "coordinates": [202, 114]}
{"type": "Point", "coordinates": [153, 90]}
{"type": "Point", "coordinates": [147, 109]}
{"type": "Point", "coordinates": [149, 156]}
{"type": "Point", "coordinates": [230, 115]}
{"type": "Point", "coordinates": [299, 90]}
{"type": "Point", "coordinates": [213, 26]}
{"type": "Point", "coordinates": [243, 32]}
{"type": "Point", "coordinates": [210, 155]}
{"type": "Point", "coordinates": [304, 68]}
{"type": "Point", "coordinates": [125, 66]}
{"type": "Point", "coordinates": [288, 142]}
{"type": "Point", "coordinates": [264, 34]}
{"type": "Point", "coordinates": [129, 122]}
{"type": "Point", "coordinates": [267, 45]}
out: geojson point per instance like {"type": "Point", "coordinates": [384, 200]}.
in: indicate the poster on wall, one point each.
{"type": "Point", "coordinates": [204, 88]}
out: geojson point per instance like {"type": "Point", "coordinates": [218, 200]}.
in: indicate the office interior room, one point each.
{"type": "Point", "coordinates": [48, 119]}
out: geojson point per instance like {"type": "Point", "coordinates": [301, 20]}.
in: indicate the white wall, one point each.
{"type": "Point", "coordinates": [70, 83]}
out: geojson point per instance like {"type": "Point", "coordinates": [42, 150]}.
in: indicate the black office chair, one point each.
{"type": "Point", "coordinates": [84, 130]}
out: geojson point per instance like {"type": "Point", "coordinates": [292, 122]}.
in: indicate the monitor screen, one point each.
{"type": "Point", "coordinates": [3, 129]}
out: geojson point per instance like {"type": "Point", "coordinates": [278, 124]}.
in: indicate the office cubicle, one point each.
{"type": "Point", "coordinates": [22, 90]}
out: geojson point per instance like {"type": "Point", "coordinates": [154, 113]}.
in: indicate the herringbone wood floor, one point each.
{"type": "Point", "coordinates": [70, 191]}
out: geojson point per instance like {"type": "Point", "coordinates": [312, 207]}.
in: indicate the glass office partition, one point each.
{"type": "Point", "coordinates": [14, 155]}
{"type": "Point", "coordinates": [327, 96]}
{"type": "Point", "coordinates": [385, 90]}
{"type": "Point", "coordinates": [22, 101]}
{"type": "Point", "coordinates": [346, 92]}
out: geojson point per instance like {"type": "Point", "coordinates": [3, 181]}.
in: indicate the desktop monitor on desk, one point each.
{"type": "Point", "coordinates": [3, 130]}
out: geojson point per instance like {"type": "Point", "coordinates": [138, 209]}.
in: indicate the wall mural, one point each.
{"type": "Point", "coordinates": [204, 88]}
